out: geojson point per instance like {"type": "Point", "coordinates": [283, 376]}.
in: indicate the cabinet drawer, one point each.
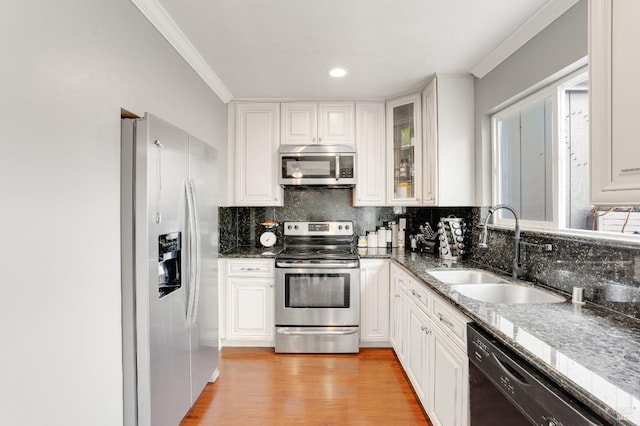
{"type": "Point", "coordinates": [252, 268]}
{"type": "Point", "coordinates": [419, 294]}
{"type": "Point", "coordinates": [451, 321]}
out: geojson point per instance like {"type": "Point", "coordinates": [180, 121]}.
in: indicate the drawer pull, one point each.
{"type": "Point", "coordinates": [632, 170]}
{"type": "Point", "coordinates": [425, 329]}
{"type": "Point", "coordinates": [445, 321]}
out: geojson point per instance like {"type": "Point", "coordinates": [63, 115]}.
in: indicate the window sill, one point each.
{"type": "Point", "coordinates": [605, 238]}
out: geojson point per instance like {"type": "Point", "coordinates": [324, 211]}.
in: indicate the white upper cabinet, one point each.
{"type": "Point", "coordinates": [370, 188]}
{"type": "Point", "coordinates": [337, 123]}
{"type": "Point", "coordinates": [257, 137]}
{"type": "Point", "coordinates": [299, 123]}
{"type": "Point", "coordinates": [308, 123]}
{"type": "Point", "coordinates": [404, 151]}
{"type": "Point", "coordinates": [449, 155]}
{"type": "Point", "coordinates": [615, 145]}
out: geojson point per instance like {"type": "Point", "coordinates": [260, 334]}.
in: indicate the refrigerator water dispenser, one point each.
{"type": "Point", "coordinates": [169, 254]}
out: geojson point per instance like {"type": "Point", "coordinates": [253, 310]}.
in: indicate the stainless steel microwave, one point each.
{"type": "Point", "coordinates": [328, 165]}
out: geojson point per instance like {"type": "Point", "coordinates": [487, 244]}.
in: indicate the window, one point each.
{"type": "Point", "coordinates": [523, 142]}
{"type": "Point", "coordinates": [541, 157]}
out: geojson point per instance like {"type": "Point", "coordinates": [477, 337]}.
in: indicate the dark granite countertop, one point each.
{"type": "Point", "coordinates": [251, 252]}
{"type": "Point", "coordinates": [261, 253]}
{"type": "Point", "coordinates": [591, 352]}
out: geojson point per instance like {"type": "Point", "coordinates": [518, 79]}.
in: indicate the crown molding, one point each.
{"type": "Point", "coordinates": [551, 11]}
{"type": "Point", "coordinates": [159, 18]}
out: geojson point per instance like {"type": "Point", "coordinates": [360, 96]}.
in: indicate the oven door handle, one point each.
{"type": "Point", "coordinates": [336, 332]}
{"type": "Point", "coordinates": [353, 264]}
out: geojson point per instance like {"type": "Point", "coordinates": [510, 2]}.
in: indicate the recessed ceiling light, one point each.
{"type": "Point", "coordinates": [337, 72]}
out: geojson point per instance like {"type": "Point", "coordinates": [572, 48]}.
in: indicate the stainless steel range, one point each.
{"type": "Point", "coordinates": [317, 289]}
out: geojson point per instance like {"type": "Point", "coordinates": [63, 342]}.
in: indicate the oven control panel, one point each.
{"type": "Point", "coordinates": [343, 227]}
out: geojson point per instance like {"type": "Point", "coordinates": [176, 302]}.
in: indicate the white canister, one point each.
{"type": "Point", "coordinates": [372, 239]}
{"type": "Point", "coordinates": [382, 237]}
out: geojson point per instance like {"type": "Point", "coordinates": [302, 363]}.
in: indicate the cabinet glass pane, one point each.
{"type": "Point", "coordinates": [403, 151]}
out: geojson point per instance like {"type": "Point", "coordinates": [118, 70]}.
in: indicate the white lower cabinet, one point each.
{"type": "Point", "coordinates": [399, 312]}
{"type": "Point", "coordinates": [247, 308]}
{"type": "Point", "coordinates": [420, 346]}
{"type": "Point", "coordinates": [374, 302]}
{"type": "Point", "coordinates": [429, 338]}
{"type": "Point", "coordinates": [449, 366]}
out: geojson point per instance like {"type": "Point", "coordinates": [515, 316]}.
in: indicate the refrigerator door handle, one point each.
{"type": "Point", "coordinates": [192, 250]}
{"type": "Point", "coordinates": [198, 252]}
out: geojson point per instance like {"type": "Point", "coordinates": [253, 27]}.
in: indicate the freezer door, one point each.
{"type": "Point", "coordinates": [163, 337]}
{"type": "Point", "coordinates": [203, 169]}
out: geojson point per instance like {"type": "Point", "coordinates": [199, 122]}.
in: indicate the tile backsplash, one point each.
{"type": "Point", "coordinates": [239, 225]}
{"type": "Point", "coordinates": [608, 270]}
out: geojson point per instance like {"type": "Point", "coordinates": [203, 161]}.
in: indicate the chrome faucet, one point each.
{"type": "Point", "coordinates": [517, 270]}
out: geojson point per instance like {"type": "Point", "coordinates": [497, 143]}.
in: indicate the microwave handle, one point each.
{"type": "Point", "coordinates": [337, 167]}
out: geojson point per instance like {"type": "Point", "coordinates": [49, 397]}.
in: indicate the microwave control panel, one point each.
{"type": "Point", "coordinates": [346, 166]}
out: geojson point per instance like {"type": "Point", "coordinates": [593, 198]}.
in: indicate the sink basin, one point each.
{"type": "Point", "coordinates": [506, 293]}
{"type": "Point", "coordinates": [466, 276]}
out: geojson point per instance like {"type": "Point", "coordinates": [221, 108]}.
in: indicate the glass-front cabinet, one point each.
{"type": "Point", "coordinates": [404, 155]}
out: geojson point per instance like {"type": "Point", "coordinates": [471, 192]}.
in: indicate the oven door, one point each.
{"type": "Point", "coordinates": [317, 296]}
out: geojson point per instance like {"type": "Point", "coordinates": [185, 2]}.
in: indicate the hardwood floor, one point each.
{"type": "Point", "coordinates": [259, 387]}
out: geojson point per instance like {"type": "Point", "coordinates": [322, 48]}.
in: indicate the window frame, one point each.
{"type": "Point", "coordinates": [555, 90]}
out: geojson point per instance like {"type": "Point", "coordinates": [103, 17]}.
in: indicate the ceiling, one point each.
{"type": "Point", "coordinates": [284, 48]}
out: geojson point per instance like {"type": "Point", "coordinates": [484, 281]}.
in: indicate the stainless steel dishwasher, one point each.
{"type": "Point", "coordinates": [505, 389]}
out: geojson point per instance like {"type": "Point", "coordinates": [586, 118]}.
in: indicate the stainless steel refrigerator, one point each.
{"type": "Point", "coordinates": [169, 270]}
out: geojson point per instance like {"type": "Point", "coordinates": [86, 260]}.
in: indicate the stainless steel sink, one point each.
{"type": "Point", "coordinates": [466, 276]}
{"type": "Point", "coordinates": [506, 293]}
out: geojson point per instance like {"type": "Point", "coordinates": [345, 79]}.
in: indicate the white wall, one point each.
{"type": "Point", "coordinates": [67, 68]}
{"type": "Point", "coordinates": [558, 46]}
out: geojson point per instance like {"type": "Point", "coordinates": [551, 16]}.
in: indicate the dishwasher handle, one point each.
{"type": "Point", "coordinates": [510, 371]}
